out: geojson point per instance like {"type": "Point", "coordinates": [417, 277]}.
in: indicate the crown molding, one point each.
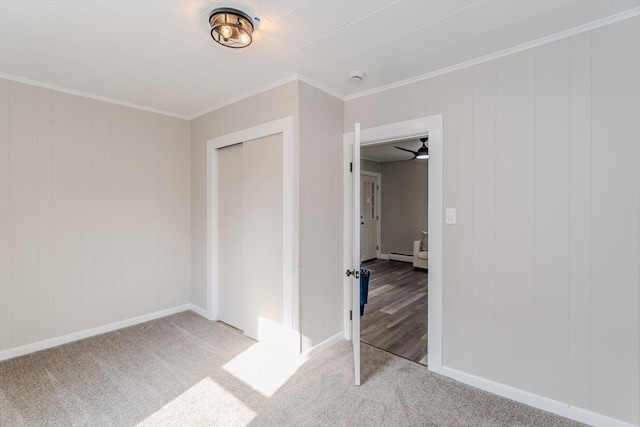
{"type": "Point", "coordinates": [230, 101]}
{"type": "Point", "coordinates": [502, 53]}
{"type": "Point", "coordinates": [245, 95]}
{"type": "Point", "coordinates": [90, 95]}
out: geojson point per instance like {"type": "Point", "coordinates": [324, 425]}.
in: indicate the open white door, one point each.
{"type": "Point", "coordinates": [354, 272]}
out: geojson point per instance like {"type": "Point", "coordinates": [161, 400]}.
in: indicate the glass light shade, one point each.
{"type": "Point", "coordinates": [231, 27]}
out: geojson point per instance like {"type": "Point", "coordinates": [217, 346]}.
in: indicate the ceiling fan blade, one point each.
{"type": "Point", "coordinates": [404, 149]}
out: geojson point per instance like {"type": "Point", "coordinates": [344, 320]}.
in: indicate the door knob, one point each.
{"type": "Point", "coordinates": [355, 273]}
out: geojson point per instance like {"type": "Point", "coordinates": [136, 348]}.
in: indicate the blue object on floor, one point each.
{"type": "Point", "coordinates": [365, 275]}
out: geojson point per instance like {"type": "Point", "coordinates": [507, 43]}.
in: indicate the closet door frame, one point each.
{"type": "Point", "coordinates": [290, 292]}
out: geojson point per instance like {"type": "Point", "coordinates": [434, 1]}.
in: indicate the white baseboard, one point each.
{"type": "Point", "coordinates": [75, 336]}
{"type": "Point", "coordinates": [535, 400]}
{"type": "Point", "coordinates": [308, 354]}
{"type": "Point", "coordinates": [400, 257]}
{"type": "Point", "coordinates": [383, 256]}
{"type": "Point", "coordinates": [199, 310]}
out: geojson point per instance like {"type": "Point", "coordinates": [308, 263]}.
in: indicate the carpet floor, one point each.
{"type": "Point", "coordinates": [185, 370]}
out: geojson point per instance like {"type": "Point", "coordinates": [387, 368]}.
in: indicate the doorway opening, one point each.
{"type": "Point", "coordinates": [353, 142]}
{"type": "Point", "coordinates": [395, 215]}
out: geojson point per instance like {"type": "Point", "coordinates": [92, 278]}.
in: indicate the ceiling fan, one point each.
{"type": "Point", "coordinates": [422, 153]}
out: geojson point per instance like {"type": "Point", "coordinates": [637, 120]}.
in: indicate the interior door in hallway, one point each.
{"type": "Point", "coordinates": [369, 217]}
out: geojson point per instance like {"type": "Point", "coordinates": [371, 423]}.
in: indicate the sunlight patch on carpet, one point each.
{"type": "Point", "coordinates": [263, 368]}
{"type": "Point", "coordinates": [206, 403]}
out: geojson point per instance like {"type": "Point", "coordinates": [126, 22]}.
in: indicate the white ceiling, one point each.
{"type": "Point", "coordinates": [159, 55]}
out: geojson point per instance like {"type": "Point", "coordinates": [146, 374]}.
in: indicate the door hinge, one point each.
{"type": "Point", "coordinates": [350, 314]}
{"type": "Point", "coordinates": [377, 248]}
{"type": "Point", "coordinates": [350, 166]}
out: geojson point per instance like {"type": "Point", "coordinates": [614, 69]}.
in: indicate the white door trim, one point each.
{"type": "Point", "coordinates": [393, 132]}
{"type": "Point", "coordinates": [290, 309]}
{"type": "Point", "coordinates": [378, 177]}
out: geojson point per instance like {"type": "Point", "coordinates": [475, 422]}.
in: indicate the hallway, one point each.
{"type": "Point", "coordinates": [395, 318]}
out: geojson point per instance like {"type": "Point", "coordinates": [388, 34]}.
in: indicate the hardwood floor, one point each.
{"type": "Point", "coordinates": [395, 317]}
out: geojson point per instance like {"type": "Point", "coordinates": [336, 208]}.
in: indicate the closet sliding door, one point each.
{"type": "Point", "coordinates": [262, 237]}
{"type": "Point", "coordinates": [250, 237]}
{"type": "Point", "coordinates": [230, 252]}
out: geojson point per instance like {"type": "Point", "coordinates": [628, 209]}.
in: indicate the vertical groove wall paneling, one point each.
{"type": "Point", "coordinates": [91, 237]}
{"type": "Point", "coordinates": [321, 305]}
{"type": "Point", "coordinates": [182, 211]}
{"type": "Point", "coordinates": [580, 223]}
{"type": "Point", "coordinates": [67, 249]}
{"type": "Point", "coordinates": [552, 162]}
{"type": "Point", "coordinates": [433, 96]}
{"type": "Point", "coordinates": [101, 213]}
{"type": "Point", "coordinates": [149, 219]}
{"type": "Point", "coordinates": [23, 146]}
{"type": "Point", "coordinates": [86, 265]}
{"type": "Point", "coordinates": [465, 214]}
{"type": "Point", "coordinates": [484, 219]}
{"type": "Point", "coordinates": [615, 311]}
{"type": "Point", "coordinates": [449, 104]}
{"type": "Point", "coordinates": [45, 215]}
{"type": "Point", "coordinates": [173, 163]}
{"type": "Point", "coordinates": [5, 218]}
{"type": "Point", "coordinates": [515, 220]}
{"type": "Point", "coordinates": [129, 197]}
{"type": "Point", "coordinates": [117, 210]}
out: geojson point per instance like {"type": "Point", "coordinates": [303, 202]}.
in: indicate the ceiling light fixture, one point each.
{"type": "Point", "coordinates": [231, 27]}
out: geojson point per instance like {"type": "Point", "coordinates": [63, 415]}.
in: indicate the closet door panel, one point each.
{"type": "Point", "coordinates": [262, 228]}
{"type": "Point", "coordinates": [230, 237]}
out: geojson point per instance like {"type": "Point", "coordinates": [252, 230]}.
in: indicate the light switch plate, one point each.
{"type": "Point", "coordinates": [450, 216]}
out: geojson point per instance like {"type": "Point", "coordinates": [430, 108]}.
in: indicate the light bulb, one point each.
{"type": "Point", "coordinates": [226, 31]}
{"type": "Point", "coordinates": [244, 38]}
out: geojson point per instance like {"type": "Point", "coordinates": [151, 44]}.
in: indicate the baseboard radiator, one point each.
{"type": "Point", "coordinates": [395, 256]}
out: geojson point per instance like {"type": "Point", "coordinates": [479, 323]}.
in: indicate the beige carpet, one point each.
{"type": "Point", "coordinates": [184, 370]}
